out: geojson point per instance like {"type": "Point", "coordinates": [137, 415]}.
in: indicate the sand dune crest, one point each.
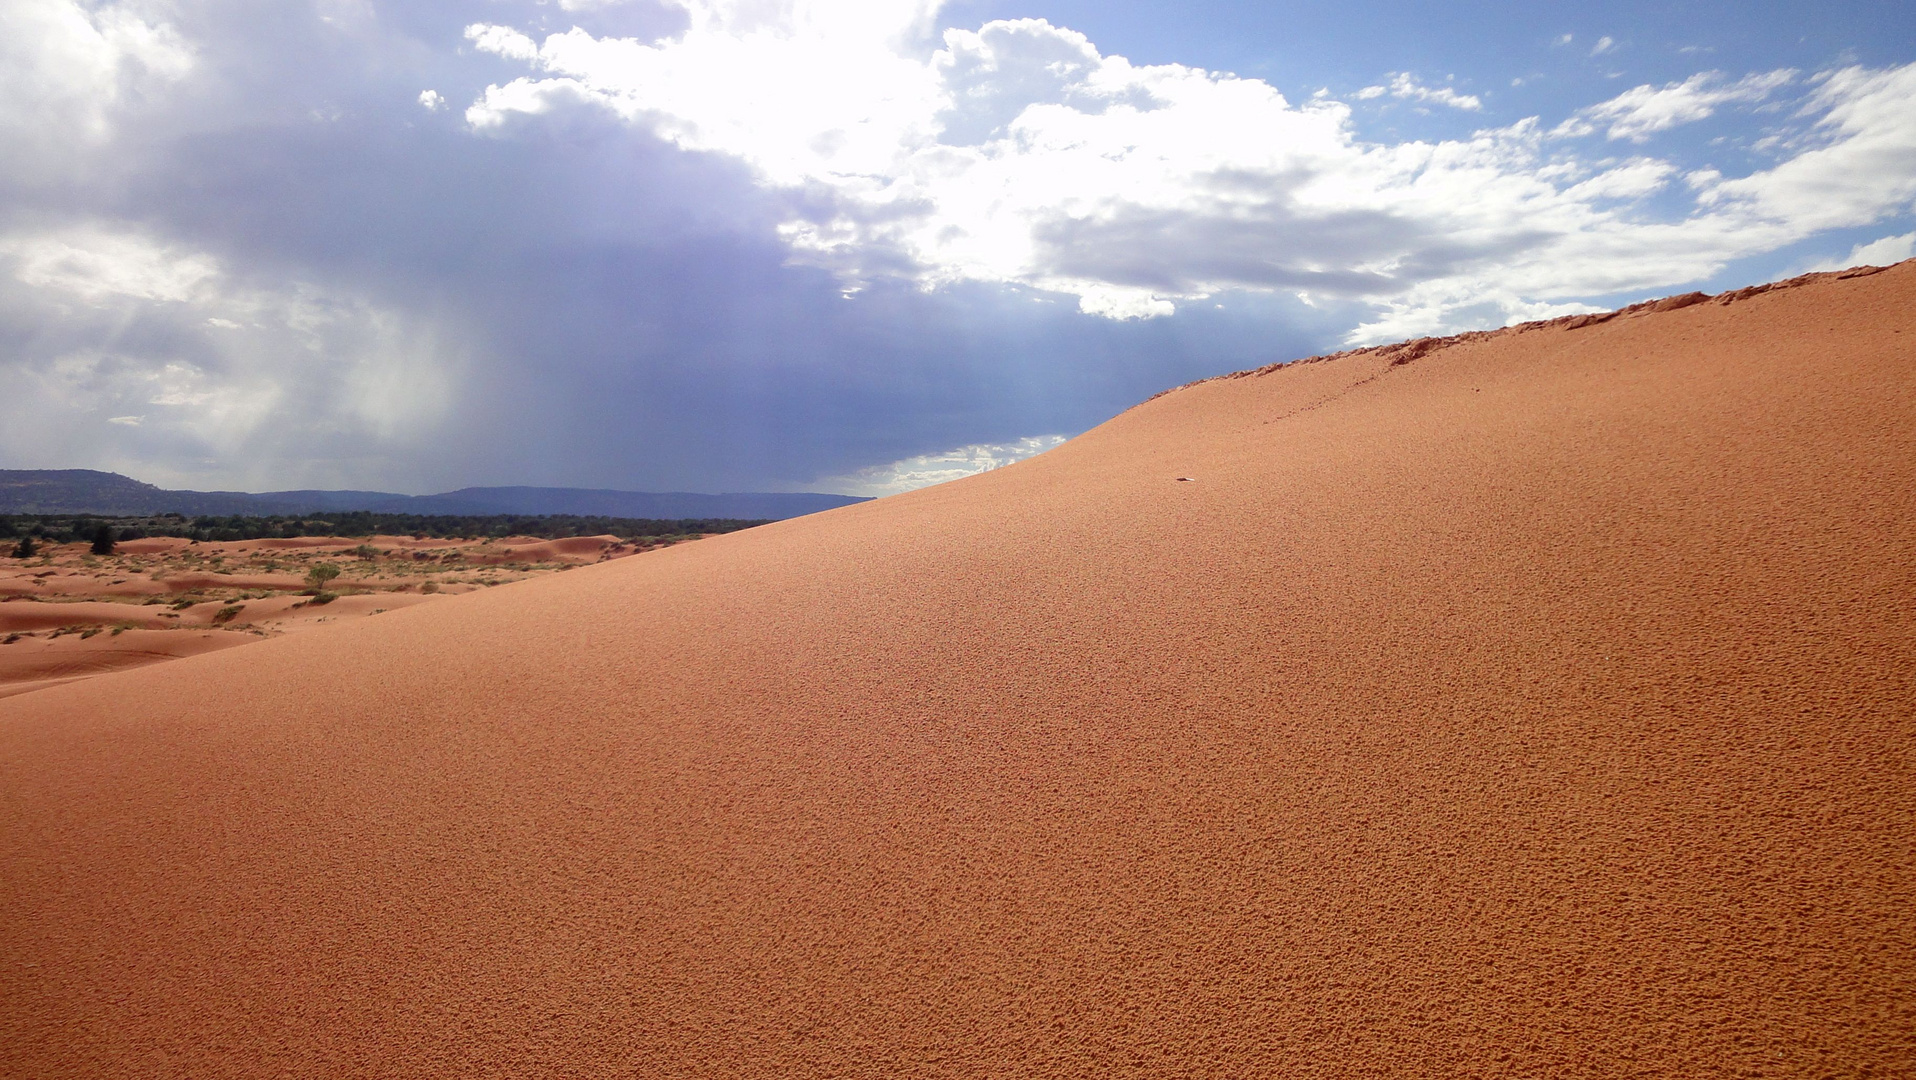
{"type": "Point", "coordinates": [1538, 707]}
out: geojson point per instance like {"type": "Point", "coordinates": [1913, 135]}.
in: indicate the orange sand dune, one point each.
{"type": "Point", "coordinates": [1541, 704]}
{"type": "Point", "coordinates": [30, 615]}
{"type": "Point", "coordinates": [294, 612]}
{"type": "Point", "coordinates": [571, 548]}
{"type": "Point", "coordinates": [194, 582]}
{"type": "Point", "coordinates": [153, 545]}
{"type": "Point", "coordinates": [33, 664]}
{"type": "Point", "coordinates": [325, 543]}
{"type": "Point", "coordinates": [287, 543]}
{"type": "Point", "coordinates": [65, 589]}
{"type": "Point", "coordinates": [408, 543]}
{"type": "Point", "coordinates": [60, 585]}
{"type": "Point", "coordinates": [282, 612]}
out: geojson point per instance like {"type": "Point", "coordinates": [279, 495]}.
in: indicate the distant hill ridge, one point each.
{"type": "Point", "coordinates": [89, 491]}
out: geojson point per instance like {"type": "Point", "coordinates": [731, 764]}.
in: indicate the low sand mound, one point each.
{"type": "Point", "coordinates": [292, 612]}
{"type": "Point", "coordinates": [23, 615]}
{"type": "Point", "coordinates": [198, 582]}
{"type": "Point", "coordinates": [95, 638]}
{"type": "Point", "coordinates": [1532, 705]}
{"type": "Point", "coordinates": [42, 584]}
{"type": "Point", "coordinates": [32, 664]}
{"type": "Point", "coordinates": [422, 543]}
{"type": "Point", "coordinates": [153, 545]}
{"type": "Point", "coordinates": [586, 548]}
{"type": "Point", "coordinates": [287, 543]}
{"type": "Point", "coordinates": [64, 588]}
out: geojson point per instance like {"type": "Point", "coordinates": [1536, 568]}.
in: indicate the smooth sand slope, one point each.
{"type": "Point", "coordinates": [1541, 707]}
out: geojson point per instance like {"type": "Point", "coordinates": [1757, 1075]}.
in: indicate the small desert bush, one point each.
{"type": "Point", "coordinates": [318, 576]}
{"type": "Point", "coordinates": [228, 613]}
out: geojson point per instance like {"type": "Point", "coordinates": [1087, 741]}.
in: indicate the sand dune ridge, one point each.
{"type": "Point", "coordinates": [1540, 707]}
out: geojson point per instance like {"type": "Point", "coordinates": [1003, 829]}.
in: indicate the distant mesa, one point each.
{"type": "Point", "coordinates": [87, 491]}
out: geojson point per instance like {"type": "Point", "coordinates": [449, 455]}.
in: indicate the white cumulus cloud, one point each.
{"type": "Point", "coordinates": [66, 67]}
{"type": "Point", "coordinates": [1404, 87]}
{"type": "Point", "coordinates": [1855, 164]}
{"type": "Point", "coordinates": [97, 264]}
{"type": "Point", "coordinates": [1019, 154]}
{"type": "Point", "coordinates": [927, 469]}
{"type": "Point", "coordinates": [1638, 113]}
{"type": "Point", "coordinates": [1884, 252]}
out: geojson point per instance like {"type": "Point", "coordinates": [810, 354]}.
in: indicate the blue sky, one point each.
{"type": "Point", "coordinates": [860, 245]}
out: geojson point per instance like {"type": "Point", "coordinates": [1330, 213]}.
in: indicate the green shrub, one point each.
{"type": "Point", "coordinates": [318, 576]}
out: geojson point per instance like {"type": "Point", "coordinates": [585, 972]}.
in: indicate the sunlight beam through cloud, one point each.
{"type": "Point", "coordinates": [1019, 154]}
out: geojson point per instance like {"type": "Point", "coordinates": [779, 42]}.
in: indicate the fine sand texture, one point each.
{"type": "Point", "coordinates": [1533, 704]}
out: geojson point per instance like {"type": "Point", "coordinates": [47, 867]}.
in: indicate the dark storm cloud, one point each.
{"type": "Point", "coordinates": [395, 301]}
{"type": "Point", "coordinates": [415, 246]}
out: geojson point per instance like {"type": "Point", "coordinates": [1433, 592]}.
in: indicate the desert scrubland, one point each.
{"type": "Point", "coordinates": [1538, 703]}
{"type": "Point", "coordinates": [67, 614]}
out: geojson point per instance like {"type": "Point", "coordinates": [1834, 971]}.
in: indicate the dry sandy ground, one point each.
{"type": "Point", "coordinates": [66, 614]}
{"type": "Point", "coordinates": [1541, 707]}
